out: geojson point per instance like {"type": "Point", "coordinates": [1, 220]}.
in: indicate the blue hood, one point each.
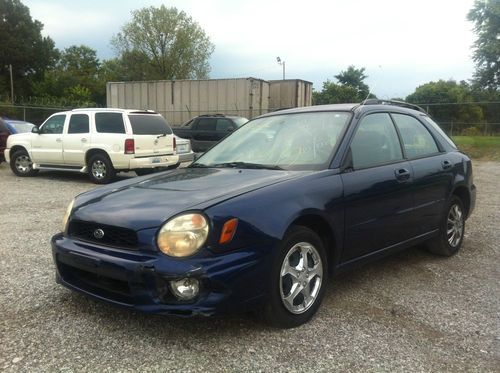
{"type": "Point", "coordinates": [148, 202]}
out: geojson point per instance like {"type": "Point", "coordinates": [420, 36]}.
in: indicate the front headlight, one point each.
{"type": "Point", "coordinates": [183, 235]}
{"type": "Point", "coordinates": [67, 215]}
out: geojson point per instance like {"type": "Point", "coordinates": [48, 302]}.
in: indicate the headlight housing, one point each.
{"type": "Point", "coordinates": [184, 235]}
{"type": "Point", "coordinates": [67, 214]}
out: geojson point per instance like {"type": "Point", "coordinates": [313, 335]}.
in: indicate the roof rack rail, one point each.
{"type": "Point", "coordinates": [376, 101]}
{"type": "Point", "coordinates": [212, 115]}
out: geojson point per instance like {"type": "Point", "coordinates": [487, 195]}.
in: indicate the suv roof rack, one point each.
{"type": "Point", "coordinates": [376, 101]}
{"type": "Point", "coordinates": [212, 115]}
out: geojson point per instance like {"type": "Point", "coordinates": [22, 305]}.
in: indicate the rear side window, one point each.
{"type": "Point", "coordinates": [54, 125]}
{"type": "Point", "coordinates": [417, 140]}
{"type": "Point", "coordinates": [206, 124]}
{"type": "Point", "coordinates": [224, 125]}
{"type": "Point", "coordinates": [375, 142]}
{"type": "Point", "coordinates": [147, 124]}
{"type": "Point", "coordinates": [109, 123]}
{"type": "Point", "coordinates": [78, 123]}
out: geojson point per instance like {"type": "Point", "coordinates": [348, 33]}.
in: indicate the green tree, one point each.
{"type": "Point", "coordinates": [22, 46]}
{"type": "Point", "coordinates": [354, 78]}
{"type": "Point", "coordinates": [449, 94]}
{"type": "Point", "coordinates": [485, 14]}
{"type": "Point", "coordinates": [174, 46]}
{"type": "Point", "coordinates": [75, 79]}
{"type": "Point", "coordinates": [350, 87]}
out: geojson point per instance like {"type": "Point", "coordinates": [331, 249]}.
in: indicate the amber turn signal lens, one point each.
{"type": "Point", "coordinates": [228, 230]}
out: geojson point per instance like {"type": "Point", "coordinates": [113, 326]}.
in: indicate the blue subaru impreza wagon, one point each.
{"type": "Point", "coordinates": [265, 217]}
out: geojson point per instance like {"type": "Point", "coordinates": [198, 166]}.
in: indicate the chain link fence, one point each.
{"type": "Point", "coordinates": [456, 119]}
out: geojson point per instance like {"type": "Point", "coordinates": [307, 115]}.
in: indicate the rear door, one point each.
{"type": "Point", "coordinates": [46, 145]}
{"type": "Point", "coordinates": [152, 135]}
{"type": "Point", "coordinates": [76, 139]}
{"type": "Point", "coordinates": [432, 172]}
{"type": "Point", "coordinates": [377, 190]}
{"type": "Point", "coordinates": [204, 133]}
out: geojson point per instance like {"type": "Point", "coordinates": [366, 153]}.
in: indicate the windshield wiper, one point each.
{"type": "Point", "coordinates": [256, 166]}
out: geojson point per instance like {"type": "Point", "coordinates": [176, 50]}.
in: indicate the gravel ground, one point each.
{"type": "Point", "coordinates": [409, 312]}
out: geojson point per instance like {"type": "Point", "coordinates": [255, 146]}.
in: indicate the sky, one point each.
{"type": "Point", "coordinates": [401, 43]}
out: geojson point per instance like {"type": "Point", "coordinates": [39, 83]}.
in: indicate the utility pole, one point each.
{"type": "Point", "coordinates": [282, 63]}
{"type": "Point", "coordinates": [11, 85]}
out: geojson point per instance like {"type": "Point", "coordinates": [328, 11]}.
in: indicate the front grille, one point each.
{"type": "Point", "coordinates": [113, 236]}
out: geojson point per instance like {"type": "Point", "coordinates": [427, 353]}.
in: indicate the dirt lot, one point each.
{"type": "Point", "coordinates": [410, 312]}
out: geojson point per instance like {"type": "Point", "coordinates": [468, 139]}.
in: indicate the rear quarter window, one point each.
{"type": "Point", "coordinates": [109, 123]}
{"type": "Point", "coordinates": [147, 124]}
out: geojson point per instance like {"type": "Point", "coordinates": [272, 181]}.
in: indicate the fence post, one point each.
{"type": "Point", "coordinates": [451, 130]}
{"type": "Point", "coordinates": [24, 113]}
{"type": "Point", "coordinates": [485, 128]}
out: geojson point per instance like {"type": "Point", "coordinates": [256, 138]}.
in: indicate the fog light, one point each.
{"type": "Point", "coordinates": [185, 288]}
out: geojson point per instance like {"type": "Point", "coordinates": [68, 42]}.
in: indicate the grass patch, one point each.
{"type": "Point", "coordinates": [479, 147]}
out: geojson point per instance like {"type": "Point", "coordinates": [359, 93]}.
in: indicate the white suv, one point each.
{"type": "Point", "coordinates": [99, 142]}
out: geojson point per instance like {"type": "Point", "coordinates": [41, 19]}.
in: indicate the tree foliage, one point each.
{"type": "Point", "coordinates": [449, 94]}
{"type": "Point", "coordinates": [22, 46]}
{"type": "Point", "coordinates": [350, 87]}
{"type": "Point", "coordinates": [485, 14]}
{"type": "Point", "coordinates": [75, 78]}
{"type": "Point", "coordinates": [167, 43]}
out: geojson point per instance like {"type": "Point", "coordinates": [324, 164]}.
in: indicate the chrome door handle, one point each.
{"type": "Point", "coordinates": [84, 140]}
{"type": "Point", "coordinates": [58, 140]}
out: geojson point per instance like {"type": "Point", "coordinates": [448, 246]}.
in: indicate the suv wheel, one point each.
{"type": "Point", "coordinates": [299, 278]}
{"type": "Point", "coordinates": [100, 169]}
{"type": "Point", "coordinates": [21, 164]}
{"type": "Point", "coordinates": [452, 230]}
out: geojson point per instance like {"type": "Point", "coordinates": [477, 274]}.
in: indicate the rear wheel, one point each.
{"type": "Point", "coordinates": [299, 277]}
{"type": "Point", "coordinates": [21, 164]}
{"type": "Point", "coordinates": [451, 232]}
{"type": "Point", "coordinates": [100, 169]}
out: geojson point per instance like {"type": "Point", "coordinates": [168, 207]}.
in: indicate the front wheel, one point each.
{"type": "Point", "coordinates": [451, 232]}
{"type": "Point", "coordinates": [100, 169]}
{"type": "Point", "coordinates": [21, 164]}
{"type": "Point", "coordinates": [298, 281]}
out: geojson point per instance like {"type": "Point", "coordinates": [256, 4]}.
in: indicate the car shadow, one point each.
{"type": "Point", "coordinates": [77, 176]}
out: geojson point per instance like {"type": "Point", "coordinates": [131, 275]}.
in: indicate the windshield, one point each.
{"type": "Point", "coordinates": [147, 124]}
{"type": "Point", "coordinates": [302, 141]}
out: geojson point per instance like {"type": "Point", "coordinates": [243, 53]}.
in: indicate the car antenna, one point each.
{"type": "Point", "coordinates": [369, 91]}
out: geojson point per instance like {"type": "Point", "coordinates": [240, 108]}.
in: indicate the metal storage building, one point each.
{"type": "Point", "coordinates": [289, 93]}
{"type": "Point", "coordinates": [180, 100]}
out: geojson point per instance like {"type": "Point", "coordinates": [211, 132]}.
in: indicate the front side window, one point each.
{"type": "Point", "coordinates": [224, 125]}
{"type": "Point", "coordinates": [78, 123]}
{"type": "Point", "coordinates": [375, 142]}
{"type": "Point", "coordinates": [53, 125]}
{"type": "Point", "coordinates": [302, 141]}
{"type": "Point", "coordinates": [109, 123]}
{"type": "Point", "coordinates": [417, 140]}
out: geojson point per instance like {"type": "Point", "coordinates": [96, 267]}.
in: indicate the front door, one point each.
{"type": "Point", "coordinates": [46, 145]}
{"type": "Point", "coordinates": [377, 189]}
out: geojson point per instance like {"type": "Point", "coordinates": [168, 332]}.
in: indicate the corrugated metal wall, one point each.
{"type": "Point", "coordinates": [290, 93]}
{"type": "Point", "coordinates": [180, 100]}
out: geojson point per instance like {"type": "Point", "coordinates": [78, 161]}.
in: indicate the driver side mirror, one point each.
{"type": "Point", "coordinates": [35, 130]}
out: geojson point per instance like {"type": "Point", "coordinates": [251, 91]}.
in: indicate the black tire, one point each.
{"type": "Point", "coordinates": [100, 169]}
{"type": "Point", "coordinates": [21, 164]}
{"type": "Point", "coordinates": [278, 312]}
{"type": "Point", "coordinates": [452, 230]}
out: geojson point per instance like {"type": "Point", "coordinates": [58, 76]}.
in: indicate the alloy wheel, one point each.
{"type": "Point", "coordinates": [99, 169]}
{"type": "Point", "coordinates": [23, 164]}
{"type": "Point", "coordinates": [300, 277]}
{"type": "Point", "coordinates": [455, 225]}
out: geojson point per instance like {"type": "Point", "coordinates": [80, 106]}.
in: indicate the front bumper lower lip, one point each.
{"type": "Point", "coordinates": [139, 281]}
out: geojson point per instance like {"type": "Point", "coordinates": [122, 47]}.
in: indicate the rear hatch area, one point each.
{"type": "Point", "coordinates": [152, 135]}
